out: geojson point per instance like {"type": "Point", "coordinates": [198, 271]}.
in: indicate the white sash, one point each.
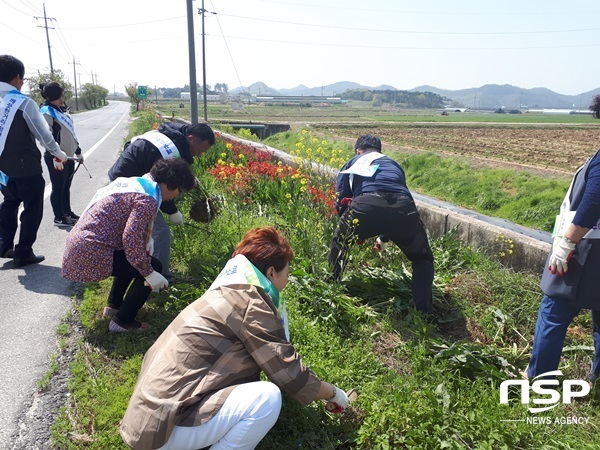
{"type": "Point", "coordinates": [141, 185]}
{"type": "Point", "coordinates": [8, 108]}
{"type": "Point", "coordinates": [165, 146]}
{"type": "Point", "coordinates": [59, 116]}
{"type": "Point", "coordinates": [362, 166]}
{"type": "Point", "coordinates": [239, 270]}
{"type": "Point", "coordinates": [566, 216]}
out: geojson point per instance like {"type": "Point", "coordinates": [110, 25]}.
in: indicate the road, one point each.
{"type": "Point", "coordinates": [35, 299]}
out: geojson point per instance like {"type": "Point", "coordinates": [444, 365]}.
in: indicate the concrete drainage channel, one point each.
{"type": "Point", "coordinates": [492, 235]}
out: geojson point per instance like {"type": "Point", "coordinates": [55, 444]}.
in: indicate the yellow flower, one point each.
{"type": "Point", "coordinates": [229, 146]}
{"type": "Point", "coordinates": [355, 221]}
{"type": "Point", "coordinates": [288, 195]}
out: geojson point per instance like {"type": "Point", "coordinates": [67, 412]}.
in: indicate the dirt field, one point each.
{"type": "Point", "coordinates": [540, 148]}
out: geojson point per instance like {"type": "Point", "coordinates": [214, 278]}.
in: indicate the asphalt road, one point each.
{"type": "Point", "coordinates": [35, 299]}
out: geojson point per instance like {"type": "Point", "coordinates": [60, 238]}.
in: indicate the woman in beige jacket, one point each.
{"type": "Point", "coordinates": [200, 382]}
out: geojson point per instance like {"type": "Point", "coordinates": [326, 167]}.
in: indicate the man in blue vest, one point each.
{"type": "Point", "coordinates": [373, 200]}
{"type": "Point", "coordinates": [21, 180]}
{"type": "Point", "coordinates": [171, 140]}
{"type": "Point", "coordinates": [570, 279]}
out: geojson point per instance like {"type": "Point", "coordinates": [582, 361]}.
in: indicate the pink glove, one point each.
{"type": "Point", "coordinates": [380, 245]}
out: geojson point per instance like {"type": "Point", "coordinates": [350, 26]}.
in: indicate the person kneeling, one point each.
{"type": "Point", "coordinates": [199, 383]}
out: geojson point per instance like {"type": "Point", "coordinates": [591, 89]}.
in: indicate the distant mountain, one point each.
{"type": "Point", "coordinates": [508, 96]}
{"type": "Point", "coordinates": [486, 96]}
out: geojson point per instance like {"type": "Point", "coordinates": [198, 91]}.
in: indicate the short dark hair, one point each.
{"type": "Point", "coordinates": [10, 67]}
{"type": "Point", "coordinates": [51, 91]}
{"type": "Point", "coordinates": [174, 172]}
{"type": "Point", "coordinates": [367, 141]}
{"type": "Point", "coordinates": [202, 132]}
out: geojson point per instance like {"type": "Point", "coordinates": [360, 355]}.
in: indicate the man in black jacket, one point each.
{"type": "Point", "coordinates": [373, 200]}
{"type": "Point", "coordinates": [171, 140]}
{"type": "Point", "coordinates": [21, 180]}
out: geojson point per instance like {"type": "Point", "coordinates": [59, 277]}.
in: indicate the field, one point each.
{"type": "Point", "coordinates": [556, 144]}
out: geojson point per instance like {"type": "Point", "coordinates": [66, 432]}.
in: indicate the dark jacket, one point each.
{"type": "Point", "coordinates": [21, 156]}
{"type": "Point", "coordinates": [138, 157]}
{"type": "Point", "coordinates": [579, 285]}
{"type": "Point", "coordinates": [389, 177]}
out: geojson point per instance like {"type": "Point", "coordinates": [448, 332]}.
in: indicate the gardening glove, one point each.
{"type": "Point", "coordinates": [561, 254]}
{"type": "Point", "coordinates": [338, 402]}
{"type": "Point", "coordinates": [61, 156]}
{"type": "Point", "coordinates": [58, 164]}
{"type": "Point", "coordinates": [176, 218]}
{"type": "Point", "coordinates": [156, 282]}
{"type": "Point", "coordinates": [380, 246]}
{"type": "Point", "coordinates": [150, 246]}
{"type": "Point", "coordinates": [346, 201]}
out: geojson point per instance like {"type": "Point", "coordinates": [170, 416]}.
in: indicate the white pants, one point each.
{"type": "Point", "coordinates": [162, 242]}
{"type": "Point", "coordinates": [245, 418]}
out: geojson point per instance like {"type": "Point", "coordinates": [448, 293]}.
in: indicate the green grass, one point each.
{"type": "Point", "coordinates": [422, 384]}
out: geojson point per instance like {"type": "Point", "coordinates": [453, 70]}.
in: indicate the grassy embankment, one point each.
{"type": "Point", "coordinates": [422, 385]}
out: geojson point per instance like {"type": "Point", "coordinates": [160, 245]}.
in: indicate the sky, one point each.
{"type": "Point", "coordinates": [457, 44]}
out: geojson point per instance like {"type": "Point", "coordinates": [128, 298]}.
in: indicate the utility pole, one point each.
{"type": "Point", "coordinates": [75, 77]}
{"type": "Point", "coordinates": [203, 11]}
{"type": "Point", "coordinates": [156, 94]}
{"type": "Point", "coordinates": [47, 36]}
{"type": "Point", "coordinates": [192, 57]}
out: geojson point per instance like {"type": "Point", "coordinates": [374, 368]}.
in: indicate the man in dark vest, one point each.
{"type": "Point", "coordinates": [21, 180]}
{"type": "Point", "coordinates": [171, 140]}
{"type": "Point", "coordinates": [570, 280]}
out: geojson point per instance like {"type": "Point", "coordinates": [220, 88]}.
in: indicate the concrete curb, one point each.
{"type": "Point", "coordinates": [512, 248]}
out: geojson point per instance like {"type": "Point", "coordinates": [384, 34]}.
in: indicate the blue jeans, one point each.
{"type": "Point", "coordinates": [554, 317]}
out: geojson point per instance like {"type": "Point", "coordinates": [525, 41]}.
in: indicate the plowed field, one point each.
{"type": "Point", "coordinates": [554, 147]}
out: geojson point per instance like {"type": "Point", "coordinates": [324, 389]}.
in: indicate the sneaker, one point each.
{"type": "Point", "coordinates": [72, 215]}
{"type": "Point", "coordinates": [64, 222]}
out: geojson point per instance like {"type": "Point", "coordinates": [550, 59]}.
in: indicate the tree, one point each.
{"type": "Point", "coordinates": [132, 92]}
{"type": "Point", "coordinates": [93, 96]}
{"type": "Point", "coordinates": [221, 87]}
{"type": "Point", "coordinates": [58, 76]}
{"type": "Point", "coordinates": [595, 106]}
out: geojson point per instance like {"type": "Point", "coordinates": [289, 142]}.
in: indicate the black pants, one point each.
{"type": "Point", "coordinates": [128, 292]}
{"type": "Point", "coordinates": [30, 192]}
{"type": "Point", "coordinates": [396, 217]}
{"type": "Point", "coordinates": [60, 198]}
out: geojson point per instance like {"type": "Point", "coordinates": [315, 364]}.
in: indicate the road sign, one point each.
{"type": "Point", "coordinates": [142, 92]}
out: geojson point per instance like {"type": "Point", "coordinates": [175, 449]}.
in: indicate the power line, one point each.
{"type": "Point", "coordinates": [380, 30]}
{"type": "Point", "coordinates": [126, 24]}
{"type": "Point", "coordinates": [388, 47]}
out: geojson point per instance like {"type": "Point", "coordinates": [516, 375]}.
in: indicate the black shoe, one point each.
{"type": "Point", "coordinates": [32, 259]}
{"type": "Point", "coordinates": [72, 215]}
{"type": "Point", "coordinates": [10, 253]}
{"type": "Point", "coordinates": [65, 222]}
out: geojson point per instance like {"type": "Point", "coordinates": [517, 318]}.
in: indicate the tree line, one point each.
{"type": "Point", "coordinates": [405, 99]}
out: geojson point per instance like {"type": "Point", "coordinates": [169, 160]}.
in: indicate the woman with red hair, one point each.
{"type": "Point", "coordinates": [200, 385]}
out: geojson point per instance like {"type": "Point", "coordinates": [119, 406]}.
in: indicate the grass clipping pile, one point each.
{"type": "Point", "coordinates": [204, 208]}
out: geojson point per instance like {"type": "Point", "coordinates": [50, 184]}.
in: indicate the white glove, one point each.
{"type": "Point", "coordinates": [176, 218]}
{"type": "Point", "coordinates": [380, 246]}
{"type": "Point", "coordinates": [338, 402]}
{"type": "Point", "coordinates": [150, 246]}
{"type": "Point", "coordinates": [561, 254]}
{"type": "Point", "coordinates": [58, 165]}
{"type": "Point", "coordinates": [62, 156]}
{"type": "Point", "coordinates": [79, 158]}
{"type": "Point", "coordinates": [156, 281]}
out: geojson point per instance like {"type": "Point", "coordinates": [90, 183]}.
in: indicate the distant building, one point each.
{"type": "Point", "coordinates": [209, 97]}
{"type": "Point", "coordinates": [296, 99]}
